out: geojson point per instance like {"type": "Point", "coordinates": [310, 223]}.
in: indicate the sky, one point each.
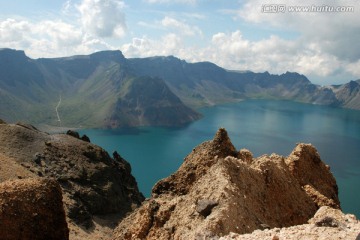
{"type": "Point", "coordinates": [322, 43]}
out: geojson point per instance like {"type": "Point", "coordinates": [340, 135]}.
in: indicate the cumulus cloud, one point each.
{"type": "Point", "coordinates": [47, 38]}
{"type": "Point", "coordinates": [169, 44]}
{"type": "Point", "coordinates": [334, 33]}
{"type": "Point", "coordinates": [272, 54]}
{"type": "Point", "coordinates": [12, 32]}
{"type": "Point", "coordinates": [180, 27]}
{"type": "Point", "coordinates": [103, 18]}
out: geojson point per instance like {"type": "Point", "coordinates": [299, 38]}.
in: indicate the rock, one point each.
{"type": "Point", "coordinates": [32, 209]}
{"type": "Point", "coordinates": [85, 138]}
{"type": "Point", "coordinates": [330, 217]}
{"type": "Point", "coordinates": [73, 134]}
{"type": "Point", "coordinates": [2, 121]}
{"type": "Point", "coordinates": [204, 207]}
{"type": "Point", "coordinates": [245, 155]}
{"type": "Point", "coordinates": [327, 223]}
{"type": "Point", "coordinates": [302, 162]}
{"type": "Point", "coordinates": [249, 194]}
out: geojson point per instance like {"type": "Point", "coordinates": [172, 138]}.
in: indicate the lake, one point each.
{"type": "Point", "coordinates": [262, 126]}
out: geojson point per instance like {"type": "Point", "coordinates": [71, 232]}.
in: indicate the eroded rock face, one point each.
{"type": "Point", "coordinates": [320, 185]}
{"type": "Point", "coordinates": [249, 193]}
{"type": "Point", "coordinates": [32, 209]}
{"type": "Point", "coordinates": [92, 182]}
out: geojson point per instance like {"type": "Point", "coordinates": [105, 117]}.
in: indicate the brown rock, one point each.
{"type": "Point", "coordinates": [302, 162]}
{"type": "Point", "coordinates": [327, 223]}
{"type": "Point", "coordinates": [245, 155]}
{"type": "Point", "coordinates": [32, 209]}
{"type": "Point", "coordinates": [249, 193]}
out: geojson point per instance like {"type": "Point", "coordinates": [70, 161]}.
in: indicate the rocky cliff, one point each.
{"type": "Point", "coordinates": [218, 190]}
{"type": "Point", "coordinates": [98, 190]}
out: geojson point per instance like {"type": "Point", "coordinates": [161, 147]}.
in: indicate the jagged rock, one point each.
{"type": "Point", "coordinates": [73, 134]}
{"type": "Point", "coordinates": [245, 155]}
{"type": "Point", "coordinates": [32, 209]}
{"type": "Point", "coordinates": [93, 183]}
{"type": "Point", "coordinates": [250, 193]}
{"type": "Point", "coordinates": [328, 223]}
{"type": "Point", "coordinates": [2, 121]}
{"type": "Point", "coordinates": [302, 162]}
{"type": "Point", "coordinates": [85, 138]}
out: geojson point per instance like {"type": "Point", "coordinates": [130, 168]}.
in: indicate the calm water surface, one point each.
{"type": "Point", "coordinates": [262, 126]}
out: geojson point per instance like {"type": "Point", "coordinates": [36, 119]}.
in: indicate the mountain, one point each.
{"type": "Point", "coordinates": [105, 89]}
{"type": "Point", "coordinates": [218, 190]}
{"type": "Point", "coordinates": [349, 94]}
{"type": "Point", "coordinates": [89, 91]}
{"type": "Point", "coordinates": [204, 83]}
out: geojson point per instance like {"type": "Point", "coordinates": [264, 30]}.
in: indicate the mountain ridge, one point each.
{"type": "Point", "coordinates": [30, 89]}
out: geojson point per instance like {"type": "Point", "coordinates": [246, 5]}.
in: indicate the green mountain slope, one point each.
{"type": "Point", "coordinates": [105, 89]}
{"type": "Point", "coordinates": [91, 89]}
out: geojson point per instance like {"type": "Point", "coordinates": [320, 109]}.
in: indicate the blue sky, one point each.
{"type": "Point", "coordinates": [234, 34]}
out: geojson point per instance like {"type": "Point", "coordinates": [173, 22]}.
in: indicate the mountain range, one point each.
{"type": "Point", "coordinates": [105, 89]}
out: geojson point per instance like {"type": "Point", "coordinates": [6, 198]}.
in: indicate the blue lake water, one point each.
{"type": "Point", "coordinates": [262, 126]}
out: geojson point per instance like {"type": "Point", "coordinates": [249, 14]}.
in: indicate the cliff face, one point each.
{"type": "Point", "coordinates": [219, 190]}
{"type": "Point", "coordinates": [93, 183]}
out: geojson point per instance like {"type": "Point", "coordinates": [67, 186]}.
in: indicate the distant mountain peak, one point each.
{"type": "Point", "coordinates": [109, 54]}
{"type": "Point", "coordinates": [12, 53]}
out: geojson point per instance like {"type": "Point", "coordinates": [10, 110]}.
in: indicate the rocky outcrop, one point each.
{"type": "Point", "coordinates": [218, 190]}
{"type": "Point", "coordinates": [32, 209]}
{"type": "Point", "coordinates": [323, 190]}
{"type": "Point", "coordinates": [93, 183]}
{"type": "Point", "coordinates": [328, 223]}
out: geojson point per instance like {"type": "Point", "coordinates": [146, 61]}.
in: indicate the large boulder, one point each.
{"type": "Point", "coordinates": [32, 209]}
{"type": "Point", "coordinates": [218, 190]}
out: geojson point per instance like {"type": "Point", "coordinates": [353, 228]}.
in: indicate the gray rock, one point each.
{"type": "Point", "coordinates": [205, 206]}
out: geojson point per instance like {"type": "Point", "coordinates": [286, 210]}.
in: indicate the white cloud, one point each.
{"type": "Point", "coordinates": [334, 33]}
{"type": "Point", "coordinates": [354, 68]}
{"type": "Point", "coordinates": [13, 32]}
{"type": "Point", "coordinates": [180, 27]}
{"type": "Point", "coordinates": [48, 38]}
{"type": "Point", "coordinates": [103, 18]}
{"type": "Point", "coordinates": [272, 54]}
{"type": "Point", "coordinates": [66, 7]}
{"type": "Point", "coordinates": [169, 44]}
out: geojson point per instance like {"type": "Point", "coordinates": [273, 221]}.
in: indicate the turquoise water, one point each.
{"type": "Point", "coordinates": [262, 126]}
